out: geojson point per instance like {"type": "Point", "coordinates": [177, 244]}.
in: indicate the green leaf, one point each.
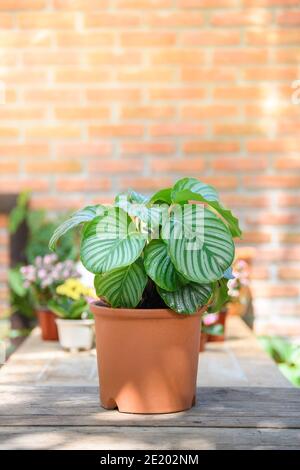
{"type": "Point", "coordinates": [122, 287]}
{"type": "Point", "coordinates": [292, 373]}
{"type": "Point", "coordinates": [150, 216]}
{"type": "Point", "coordinates": [164, 195]}
{"type": "Point", "coordinates": [15, 281]}
{"type": "Point", "coordinates": [84, 215]}
{"type": "Point", "coordinates": [78, 307]}
{"type": "Point", "coordinates": [220, 295]}
{"type": "Point", "coordinates": [279, 348]}
{"type": "Point", "coordinates": [196, 186]}
{"type": "Point", "coordinates": [186, 195]}
{"type": "Point", "coordinates": [214, 330]}
{"type": "Point", "coordinates": [132, 196]}
{"type": "Point", "coordinates": [188, 299]}
{"type": "Point", "coordinates": [19, 213]}
{"type": "Point", "coordinates": [200, 245]}
{"type": "Point", "coordinates": [110, 242]}
{"type": "Point", "coordinates": [159, 266]}
{"type": "Point", "coordinates": [59, 310]}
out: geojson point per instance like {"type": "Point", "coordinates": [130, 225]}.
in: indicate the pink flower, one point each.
{"type": "Point", "coordinates": [210, 319]}
{"type": "Point", "coordinates": [48, 259]}
{"type": "Point", "coordinates": [38, 261]}
{"type": "Point", "coordinates": [42, 273]}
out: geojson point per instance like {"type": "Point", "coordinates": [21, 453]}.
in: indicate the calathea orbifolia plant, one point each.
{"type": "Point", "coordinates": [173, 249]}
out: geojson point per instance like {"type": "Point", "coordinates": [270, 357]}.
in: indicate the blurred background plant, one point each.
{"type": "Point", "coordinates": [42, 277]}
{"type": "Point", "coordinates": [40, 226]}
{"type": "Point", "coordinates": [40, 229]}
{"type": "Point", "coordinates": [240, 279]}
{"type": "Point", "coordinates": [211, 326]}
{"type": "Point", "coordinates": [285, 354]}
{"type": "Point", "coordinates": [72, 300]}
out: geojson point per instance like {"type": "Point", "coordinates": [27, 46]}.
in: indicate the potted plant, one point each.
{"type": "Point", "coordinates": [238, 282]}
{"type": "Point", "coordinates": [75, 321]}
{"type": "Point", "coordinates": [37, 226]}
{"type": "Point", "coordinates": [210, 328]}
{"type": "Point", "coordinates": [41, 278]}
{"type": "Point", "coordinates": [238, 288]}
{"type": "Point", "coordinates": [158, 261]}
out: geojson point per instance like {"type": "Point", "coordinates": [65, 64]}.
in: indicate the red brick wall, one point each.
{"type": "Point", "coordinates": [105, 94]}
{"type": "Point", "coordinates": [4, 262]}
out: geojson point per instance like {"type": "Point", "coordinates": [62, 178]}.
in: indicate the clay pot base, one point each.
{"type": "Point", "coordinates": [112, 405]}
{"type": "Point", "coordinates": [147, 359]}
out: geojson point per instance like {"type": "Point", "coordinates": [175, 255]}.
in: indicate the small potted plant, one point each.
{"type": "Point", "coordinates": [158, 262]}
{"type": "Point", "coordinates": [238, 288]}
{"type": "Point", "coordinates": [75, 321]}
{"type": "Point", "coordinates": [41, 278]}
{"type": "Point", "coordinates": [210, 328]}
{"type": "Point", "coordinates": [238, 282]}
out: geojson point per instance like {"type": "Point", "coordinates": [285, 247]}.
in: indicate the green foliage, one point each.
{"type": "Point", "coordinates": [187, 299]}
{"type": "Point", "coordinates": [21, 299]}
{"type": "Point", "coordinates": [160, 268]}
{"type": "Point", "coordinates": [40, 229]}
{"type": "Point", "coordinates": [220, 295]}
{"type": "Point", "coordinates": [286, 354]}
{"type": "Point", "coordinates": [110, 242]}
{"type": "Point", "coordinates": [213, 330]}
{"type": "Point", "coordinates": [122, 287]}
{"type": "Point", "coordinates": [69, 309]}
{"type": "Point", "coordinates": [167, 241]}
{"type": "Point", "coordinates": [18, 214]}
{"type": "Point", "coordinates": [162, 196]}
{"type": "Point", "coordinates": [79, 217]}
{"type": "Point", "coordinates": [186, 195]}
{"type": "Point", "coordinates": [201, 252]}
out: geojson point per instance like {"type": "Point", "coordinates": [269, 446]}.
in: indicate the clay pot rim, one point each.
{"type": "Point", "coordinates": [44, 310]}
{"type": "Point", "coordinates": [141, 313]}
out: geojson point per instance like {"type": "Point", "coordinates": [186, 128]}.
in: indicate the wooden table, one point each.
{"type": "Point", "coordinates": [49, 400]}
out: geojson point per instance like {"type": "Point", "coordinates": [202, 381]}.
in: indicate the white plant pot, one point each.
{"type": "Point", "coordinates": [75, 334]}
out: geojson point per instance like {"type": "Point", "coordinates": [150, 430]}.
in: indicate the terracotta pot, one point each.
{"type": "Point", "coordinates": [147, 359]}
{"type": "Point", "coordinates": [47, 324]}
{"type": "Point", "coordinates": [203, 341]}
{"type": "Point", "coordinates": [221, 321]}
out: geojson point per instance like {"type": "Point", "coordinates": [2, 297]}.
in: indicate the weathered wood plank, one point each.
{"type": "Point", "coordinates": [230, 422]}
{"type": "Point", "coordinates": [219, 407]}
{"type": "Point", "coordinates": [239, 361]}
{"type": "Point", "coordinates": [49, 399]}
{"type": "Point", "coordinates": [109, 438]}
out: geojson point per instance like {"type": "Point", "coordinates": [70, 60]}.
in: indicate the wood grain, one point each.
{"type": "Point", "coordinates": [49, 399]}
{"type": "Point", "coordinates": [120, 438]}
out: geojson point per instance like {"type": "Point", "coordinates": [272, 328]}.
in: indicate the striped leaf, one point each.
{"type": "Point", "coordinates": [84, 215]}
{"type": "Point", "coordinates": [187, 195]}
{"type": "Point", "coordinates": [150, 216]}
{"type": "Point", "coordinates": [188, 299]}
{"type": "Point", "coordinates": [200, 244]}
{"type": "Point", "coordinates": [122, 287]}
{"type": "Point", "coordinates": [159, 266]}
{"type": "Point", "coordinates": [110, 242]}
{"type": "Point", "coordinates": [132, 196]}
{"type": "Point", "coordinates": [193, 184]}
